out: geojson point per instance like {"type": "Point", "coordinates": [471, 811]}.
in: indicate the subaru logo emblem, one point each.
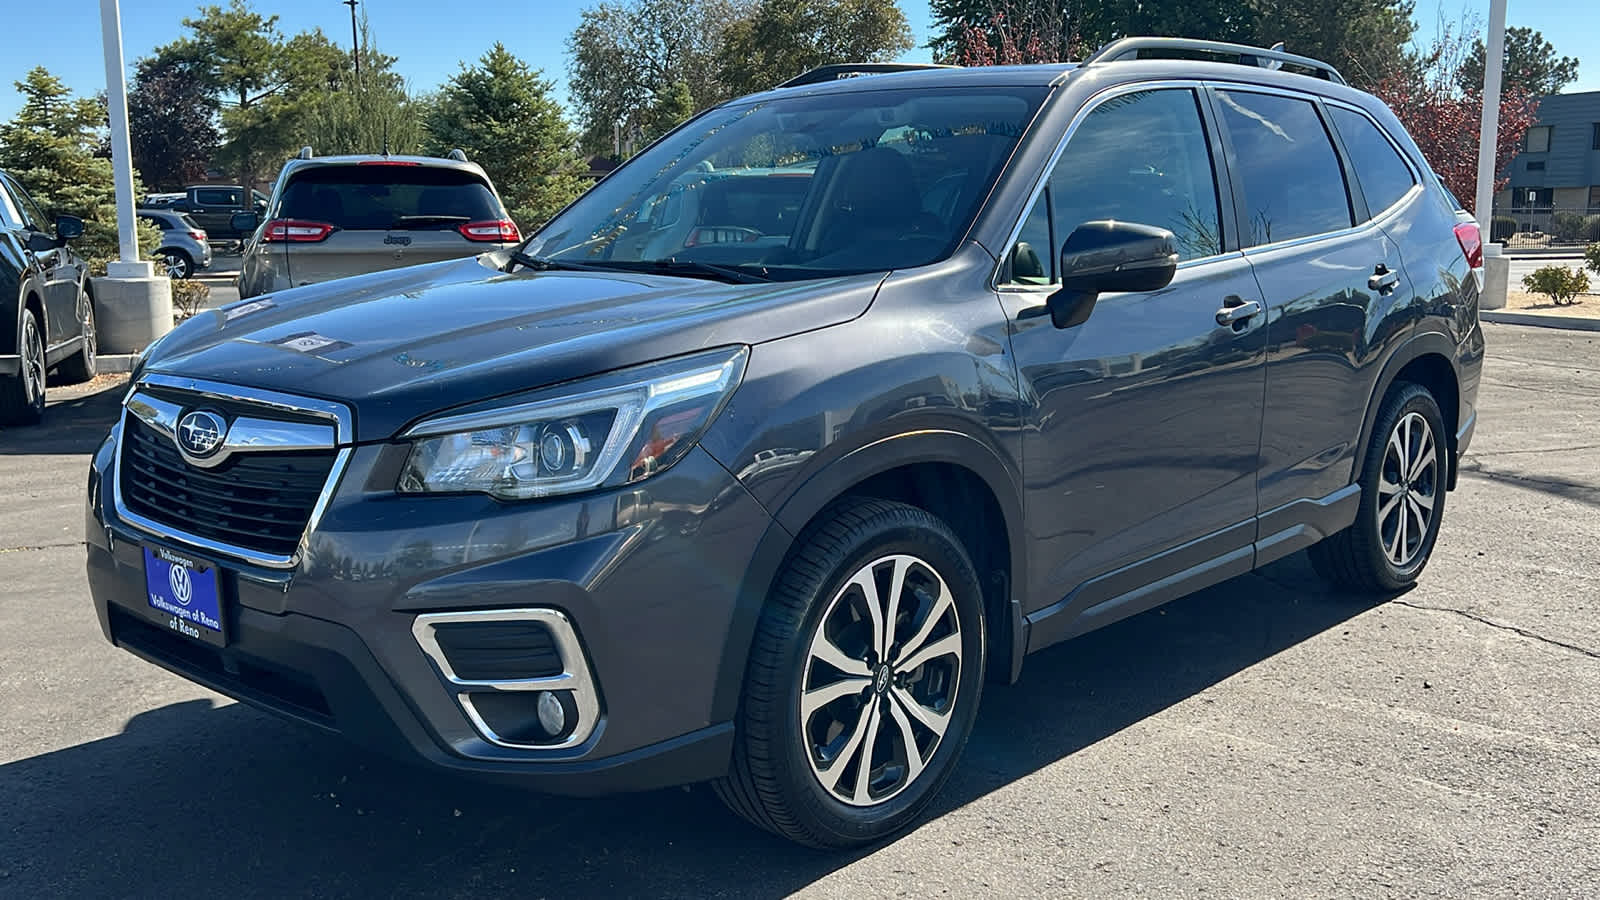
{"type": "Point", "coordinates": [200, 433]}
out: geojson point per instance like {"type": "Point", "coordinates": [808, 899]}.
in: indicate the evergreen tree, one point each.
{"type": "Point", "coordinates": [1531, 63]}
{"type": "Point", "coordinates": [51, 147]}
{"type": "Point", "coordinates": [502, 113]}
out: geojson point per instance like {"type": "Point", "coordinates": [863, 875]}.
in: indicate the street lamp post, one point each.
{"type": "Point", "coordinates": [132, 305]}
{"type": "Point", "coordinates": [1496, 269]}
{"type": "Point", "coordinates": [355, 42]}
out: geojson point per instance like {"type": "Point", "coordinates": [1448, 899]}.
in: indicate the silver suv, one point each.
{"type": "Point", "coordinates": [336, 216]}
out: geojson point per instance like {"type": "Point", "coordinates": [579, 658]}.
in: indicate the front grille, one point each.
{"type": "Point", "coordinates": [498, 651]}
{"type": "Point", "coordinates": [257, 501]}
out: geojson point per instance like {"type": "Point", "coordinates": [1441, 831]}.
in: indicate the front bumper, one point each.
{"type": "Point", "coordinates": [648, 576]}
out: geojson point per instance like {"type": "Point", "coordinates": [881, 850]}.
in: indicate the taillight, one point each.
{"type": "Point", "coordinates": [502, 230]}
{"type": "Point", "coordinates": [1471, 241]}
{"type": "Point", "coordinates": [296, 231]}
{"type": "Point", "coordinates": [198, 235]}
{"type": "Point", "coordinates": [388, 162]}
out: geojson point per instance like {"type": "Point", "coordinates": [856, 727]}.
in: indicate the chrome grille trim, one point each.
{"type": "Point", "coordinates": [257, 435]}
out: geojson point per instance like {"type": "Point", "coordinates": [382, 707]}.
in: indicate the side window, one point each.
{"type": "Point", "coordinates": [212, 197]}
{"type": "Point", "coordinates": [1141, 157]}
{"type": "Point", "coordinates": [1383, 174]}
{"type": "Point", "coordinates": [9, 213]}
{"type": "Point", "coordinates": [32, 217]}
{"type": "Point", "coordinates": [1290, 177]}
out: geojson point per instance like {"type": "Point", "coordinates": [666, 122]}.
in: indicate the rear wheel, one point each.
{"type": "Point", "coordinates": [22, 396]}
{"type": "Point", "coordinates": [177, 263]}
{"type": "Point", "coordinates": [84, 364]}
{"type": "Point", "coordinates": [1402, 499]}
{"type": "Point", "coordinates": [863, 680]}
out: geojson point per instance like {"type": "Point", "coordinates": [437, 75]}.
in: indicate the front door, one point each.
{"type": "Point", "coordinates": [58, 270]}
{"type": "Point", "coordinates": [1145, 429]}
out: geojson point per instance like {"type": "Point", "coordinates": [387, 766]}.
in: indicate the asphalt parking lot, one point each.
{"type": "Point", "coordinates": [1262, 738]}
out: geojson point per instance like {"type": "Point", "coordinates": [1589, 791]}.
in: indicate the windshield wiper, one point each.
{"type": "Point", "coordinates": [546, 264]}
{"type": "Point", "coordinates": [695, 269]}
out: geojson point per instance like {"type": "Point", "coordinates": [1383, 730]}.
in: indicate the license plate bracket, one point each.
{"type": "Point", "coordinates": [185, 594]}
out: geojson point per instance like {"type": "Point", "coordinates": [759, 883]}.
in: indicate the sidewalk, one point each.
{"type": "Point", "coordinates": [1523, 308]}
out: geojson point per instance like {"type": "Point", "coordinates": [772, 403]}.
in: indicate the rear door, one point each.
{"type": "Point", "coordinates": [214, 209]}
{"type": "Point", "coordinates": [1330, 284]}
{"type": "Point", "coordinates": [349, 219]}
{"type": "Point", "coordinates": [58, 268]}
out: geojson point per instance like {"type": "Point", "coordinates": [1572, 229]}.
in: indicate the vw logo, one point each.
{"type": "Point", "coordinates": [182, 588]}
{"type": "Point", "coordinates": [200, 433]}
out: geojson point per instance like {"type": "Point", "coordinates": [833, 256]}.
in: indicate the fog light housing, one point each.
{"type": "Point", "coordinates": [552, 716]}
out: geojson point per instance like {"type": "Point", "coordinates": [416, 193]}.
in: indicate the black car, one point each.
{"type": "Point", "coordinates": [1013, 353]}
{"type": "Point", "coordinates": [46, 305]}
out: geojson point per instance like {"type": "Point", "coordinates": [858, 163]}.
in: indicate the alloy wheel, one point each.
{"type": "Point", "coordinates": [177, 266]}
{"type": "Point", "coordinates": [32, 361]}
{"type": "Point", "coordinates": [1408, 487]}
{"type": "Point", "coordinates": [881, 680]}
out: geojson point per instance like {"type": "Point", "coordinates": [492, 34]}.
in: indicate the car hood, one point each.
{"type": "Point", "coordinates": [399, 345]}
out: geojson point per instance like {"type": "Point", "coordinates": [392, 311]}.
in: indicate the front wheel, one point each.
{"type": "Point", "coordinates": [863, 680]}
{"type": "Point", "coordinates": [177, 264]}
{"type": "Point", "coordinates": [1402, 499]}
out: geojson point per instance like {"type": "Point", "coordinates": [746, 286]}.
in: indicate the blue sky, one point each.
{"type": "Point", "coordinates": [431, 37]}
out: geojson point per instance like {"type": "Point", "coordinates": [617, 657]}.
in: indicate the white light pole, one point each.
{"type": "Point", "coordinates": [132, 307]}
{"type": "Point", "coordinates": [128, 266]}
{"type": "Point", "coordinates": [1489, 130]}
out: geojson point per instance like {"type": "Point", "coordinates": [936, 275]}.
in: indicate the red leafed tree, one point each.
{"type": "Point", "coordinates": [976, 49]}
{"type": "Point", "coordinates": [1443, 116]}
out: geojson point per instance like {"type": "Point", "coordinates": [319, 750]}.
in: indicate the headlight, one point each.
{"type": "Point", "coordinates": [605, 431]}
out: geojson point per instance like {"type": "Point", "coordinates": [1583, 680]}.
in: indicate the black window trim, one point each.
{"type": "Point", "coordinates": [1227, 219]}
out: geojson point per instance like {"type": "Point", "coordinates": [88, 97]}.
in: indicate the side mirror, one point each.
{"type": "Point", "coordinates": [245, 222]}
{"type": "Point", "coordinates": [1108, 256]}
{"type": "Point", "coordinates": [69, 228]}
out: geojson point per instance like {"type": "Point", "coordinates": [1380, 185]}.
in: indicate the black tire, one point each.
{"type": "Point", "coordinates": [22, 395]}
{"type": "Point", "coordinates": [84, 364]}
{"type": "Point", "coordinates": [775, 781]}
{"type": "Point", "coordinates": [1361, 558]}
{"type": "Point", "coordinates": [178, 263]}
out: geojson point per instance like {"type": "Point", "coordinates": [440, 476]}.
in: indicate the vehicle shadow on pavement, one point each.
{"type": "Point", "coordinates": [192, 799]}
{"type": "Point", "coordinates": [74, 424]}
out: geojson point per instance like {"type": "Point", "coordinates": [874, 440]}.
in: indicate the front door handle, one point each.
{"type": "Point", "coordinates": [1383, 281]}
{"type": "Point", "coordinates": [1235, 310]}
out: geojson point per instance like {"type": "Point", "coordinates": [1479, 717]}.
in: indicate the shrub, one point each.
{"type": "Point", "coordinates": [1591, 228]}
{"type": "Point", "coordinates": [1561, 284]}
{"type": "Point", "coordinates": [1501, 228]}
{"type": "Point", "coordinates": [188, 296]}
{"type": "Point", "coordinates": [1567, 226]}
{"type": "Point", "coordinates": [1591, 257]}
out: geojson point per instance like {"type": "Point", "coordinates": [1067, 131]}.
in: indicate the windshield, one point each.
{"type": "Point", "coordinates": [388, 196]}
{"type": "Point", "coordinates": [803, 187]}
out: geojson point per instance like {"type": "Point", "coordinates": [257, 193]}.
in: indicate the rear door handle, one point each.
{"type": "Point", "coordinates": [1235, 310]}
{"type": "Point", "coordinates": [1383, 281]}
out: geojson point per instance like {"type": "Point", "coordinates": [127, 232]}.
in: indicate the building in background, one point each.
{"type": "Point", "coordinates": [1555, 179]}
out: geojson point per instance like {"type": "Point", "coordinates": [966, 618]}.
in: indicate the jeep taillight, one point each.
{"type": "Point", "coordinates": [1471, 241]}
{"type": "Point", "coordinates": [296, 231]}
{"type": "Point", "coordinates": [501, 230]}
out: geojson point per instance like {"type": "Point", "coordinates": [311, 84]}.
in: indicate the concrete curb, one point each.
{"type": "Point", "coordinates": [1571, 323]}
{"type": "Point", "coordinates": [114, 363]}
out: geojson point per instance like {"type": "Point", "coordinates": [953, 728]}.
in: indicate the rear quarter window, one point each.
{"type": "Point", "coordinates": [388, 196]}
{"type": "Point", "coordinates": [1382, 173]}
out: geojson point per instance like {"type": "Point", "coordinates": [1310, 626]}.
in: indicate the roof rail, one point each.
{"type": "Point", "coordinates": [1169, 48]}
{"type": "Point", "coordinates": [839, 71]}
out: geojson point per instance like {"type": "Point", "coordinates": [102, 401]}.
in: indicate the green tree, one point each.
{"type": "Point", "coordinates": [1531, 63]}
{"type": "Point", "coordinates": [502, 113]}
{"type": "Point", "coordinates": [365, 114]}
{"type": "Point", "coordinates": [171, 120]}
{"type": "Point", "coordinates": [626, 54]}
{"type": "Point", "coordinates": [784, 38]}
{"type": "Point", "coordinates": [51, 148]}
{"type": "Point", "coordinates": [1060, 30]}
{"type": "Point", "coordinates": [672, 108]}
{"type": "Point", "coordinates": [264, 81]}
{"type": "Point", "coordinates": [1366, 40]}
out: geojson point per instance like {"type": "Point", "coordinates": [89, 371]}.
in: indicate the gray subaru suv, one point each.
{"type": "Point", "coordinates": [335, 216]}
{"type": "Point", "coordinates": [755, 464]}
